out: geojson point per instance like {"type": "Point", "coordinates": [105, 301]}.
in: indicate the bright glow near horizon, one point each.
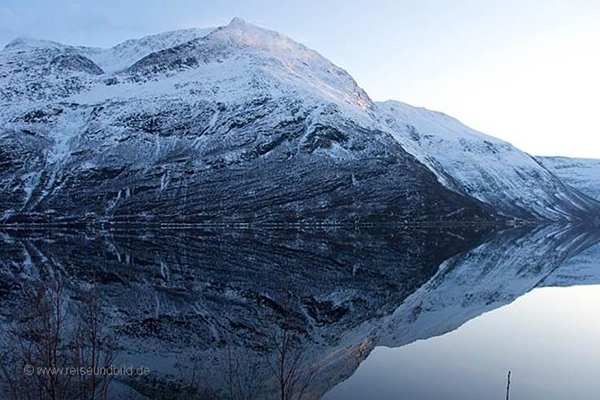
{"type": "Point", "coordinates": [525, 71]}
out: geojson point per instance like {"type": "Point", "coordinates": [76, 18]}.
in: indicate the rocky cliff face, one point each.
{"type": "Point", "coordinates": [240, 124]}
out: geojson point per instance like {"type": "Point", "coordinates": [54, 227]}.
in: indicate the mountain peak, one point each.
{"type": "Point", "coordinates": [27, 42]}
{"type": "Point", "coordinates": [245, 34]}
{"type": "Point", "coordinates": [237, 21]}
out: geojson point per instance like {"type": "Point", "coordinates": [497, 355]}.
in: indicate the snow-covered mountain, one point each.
{"type": "Point", "coordinates": [581, 173]}
{"type": "Point", "coordinates": [241, 124]}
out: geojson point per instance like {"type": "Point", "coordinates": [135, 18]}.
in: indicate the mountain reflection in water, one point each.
{"type": "Point", "coordinates": [220, 305]}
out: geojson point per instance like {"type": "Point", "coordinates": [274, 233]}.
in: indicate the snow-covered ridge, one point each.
{"type": "Point", "coordinates": [117, 57]}
{"type": "Point", "coordinates": [239, 58]}
{"type": "Point", "coordinates": [21, 43]}
{"type": "Point", "coordinates": [487, 168]}
{"type": "Point", "coordinates": [244, 60]}
{"type": "Point", "coordinates": [127, 53]}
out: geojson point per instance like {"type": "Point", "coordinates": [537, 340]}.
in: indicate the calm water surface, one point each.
{"type": "Point", "coordinates": [549, 339]}
{"type": "Point", "coordinates": [417, 314]}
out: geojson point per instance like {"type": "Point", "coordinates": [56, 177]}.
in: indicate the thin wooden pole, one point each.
{"type": "Point", "coordinates": [508, 387]}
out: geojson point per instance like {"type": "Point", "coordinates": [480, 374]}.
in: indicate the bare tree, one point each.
{"type": "Point", "coordinates": [288, 362]}
{"type": "Point", "coordinates": [244, 374]}
{"type": "Point", "coordinates": [50, 341]}
{"type": "Point", "coordinates": [95, 349]}
{"type": "Point", "coordinates": [38, 340]}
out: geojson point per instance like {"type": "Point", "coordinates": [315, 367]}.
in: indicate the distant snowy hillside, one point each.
{"type": "Point", "coordinates": [482, 166]}
{"type": "Point", "coordinates": [580, 173]}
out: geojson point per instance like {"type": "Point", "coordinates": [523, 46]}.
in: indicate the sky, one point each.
{"type": "Point", "coordinates": [526, 71]}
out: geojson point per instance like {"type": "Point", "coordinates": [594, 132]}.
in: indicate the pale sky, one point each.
{"type": "Point", "coordinates": [526, 71]}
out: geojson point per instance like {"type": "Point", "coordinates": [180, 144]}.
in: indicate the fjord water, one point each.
{"type": "Point", "coordinates": [374, 313]}
{"type": "Point", "coordinates": [548, 339]}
